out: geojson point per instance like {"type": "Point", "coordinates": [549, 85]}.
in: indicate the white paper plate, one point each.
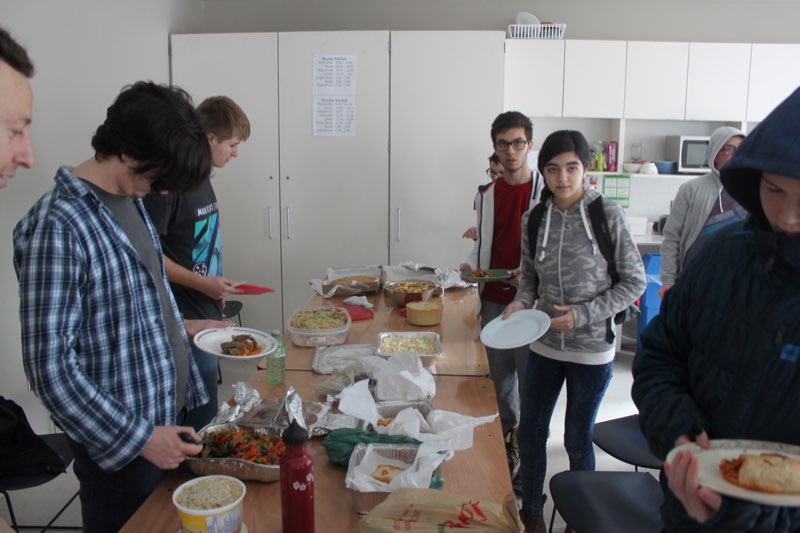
{"type": "Point", "coordinates": [521, 328]}
{"type": "Point", "coordinates": [709, 475]}
{"type": "Point", "coordinates": [209, 341]}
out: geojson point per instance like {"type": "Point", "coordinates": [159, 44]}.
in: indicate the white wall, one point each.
{"type": "Point", "coordinates": [86, 50]}
{"type": "Point", "coordinates": [771, 21]}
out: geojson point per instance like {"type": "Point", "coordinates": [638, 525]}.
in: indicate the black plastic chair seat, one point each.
{"type": "Point", "coordinates": [57, 441]}
{"type": "Point", "coordinates": [622, 439]}
{"type": "Point", "coordinates": [607, 502]}
{"type": "Point", "coordinates": [232, 308]}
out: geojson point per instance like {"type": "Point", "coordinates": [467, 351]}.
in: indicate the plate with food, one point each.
{"type": "Point", "coordinates": [757, 471]}
{"type": "Point", "coordinates": [487, 275]}
{"type": "Point", "coordinates": [521, 328]}
{"type": "Point", "coordinates": [240, 344]}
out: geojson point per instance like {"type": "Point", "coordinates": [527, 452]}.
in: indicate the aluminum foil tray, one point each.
{"type": "Point", "coordinates": [238, 468]}
{"type": "Point", "coordinates": [427, 359]}
{"type": "Point", "coordinates": [328, 357]}
{"type": "Point", "coordinates": [363, 502]}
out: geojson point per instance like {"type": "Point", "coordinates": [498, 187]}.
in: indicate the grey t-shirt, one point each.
{"type": "Point", "coordinates": [130, 218]}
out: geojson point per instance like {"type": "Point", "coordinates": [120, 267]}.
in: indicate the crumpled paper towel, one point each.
{"type": "Point", "coordinates": [358, 300]}
{"type": "Point", "coordinates": [401, 377]}
{"type": "Point", "coordinates": [441, 430]}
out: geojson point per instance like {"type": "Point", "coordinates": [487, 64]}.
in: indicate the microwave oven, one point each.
{"type": "Point", "coordinates": [690, 153]}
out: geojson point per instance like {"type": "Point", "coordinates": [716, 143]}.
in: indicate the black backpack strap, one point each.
{"type": "Point", "coordinates": [534, 221]}
{"type": "Point", "coordinates": [602, 234]}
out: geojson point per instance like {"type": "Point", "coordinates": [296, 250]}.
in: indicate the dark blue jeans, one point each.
{"type": "Point", "coordinates": [586, 385]}
{"type": "Point", "coordinates": [202, 415]}
{"type": "Point", "coordinates": [109, 499]}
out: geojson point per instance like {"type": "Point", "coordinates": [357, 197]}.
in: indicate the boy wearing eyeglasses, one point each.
{"type": "Point", "coordinates": [495, 171]}
{"type": "Point", "coordinates": [701, 208]}
{"type": "Point", "coordinates": [499, 207]}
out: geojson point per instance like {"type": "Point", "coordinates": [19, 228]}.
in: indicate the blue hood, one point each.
{"type": "Point", "coordinates": [773, 146]}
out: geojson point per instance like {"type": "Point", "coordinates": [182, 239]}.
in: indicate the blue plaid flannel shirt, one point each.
{"type": "Point", "coordinates": [94, 345]}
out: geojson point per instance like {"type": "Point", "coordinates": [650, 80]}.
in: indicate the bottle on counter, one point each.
{"type": "Point", "coordinates": [611, 156]}
{"type": "Point", "coordinates": [599, 155]}
{"type": "Point", "coordinates": [276, 362]}
{"type": "Point", "coordinates": [297, 482]}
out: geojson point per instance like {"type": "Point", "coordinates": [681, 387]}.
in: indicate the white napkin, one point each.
{"type": "Point", "coordinates": [404, 378]}
{"type": "Point", "coordinates": [358, 300]}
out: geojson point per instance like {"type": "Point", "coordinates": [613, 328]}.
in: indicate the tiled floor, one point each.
{"type": "Point", "coordinates": [39, 504]}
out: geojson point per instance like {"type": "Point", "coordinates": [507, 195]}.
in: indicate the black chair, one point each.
{"type": "Point", "coordinates": [607, 502]}
{"type": "Point", "coordinates": [622, 439]}
{"type": "Point", "coordinates": [58, 442]}
{"type": "Point", "coordinates": [233, 308]}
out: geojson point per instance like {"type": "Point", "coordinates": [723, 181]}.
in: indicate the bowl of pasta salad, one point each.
{"type": "Point", "coordinates": [319, 326]}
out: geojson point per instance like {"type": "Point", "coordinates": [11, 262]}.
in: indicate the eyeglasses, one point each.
{"type": "Point", "coordinates": [503, 146]}
{"type": "Point", "coordinates": [492, 174]}
{"type": "Point", "coordinates": [728, 150]}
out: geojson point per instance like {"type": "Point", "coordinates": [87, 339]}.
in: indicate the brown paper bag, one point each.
{"type": "Point", "coordinates": [426, 510]}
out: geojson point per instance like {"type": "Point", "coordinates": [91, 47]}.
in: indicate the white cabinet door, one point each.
{"type": "Point", "coordinates": [594, 78]}
{"type": "Point", "coordinates": [447, 88]}
{"type": "Point", "coordinates": [655, 80]}
{"type": "Point", "coordinates": [716, 88]}
{"type": "Point", "coordinates": [244, 67]}
{"type": "Point", "coordinates": [534, 77]}
{"type": "Point", "coordinates": [334, 187]}
{"type": "Point", "coordinates": [774, 75]}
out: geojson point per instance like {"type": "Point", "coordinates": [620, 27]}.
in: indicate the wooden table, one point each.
{"type": "Point", "coordinates": [463, 353]}
{"type": "Point", "coordinates": [480, 472]}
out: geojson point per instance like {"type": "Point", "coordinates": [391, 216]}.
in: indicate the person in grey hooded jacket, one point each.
{"type": "Point", "coordinates": [569, 280]}
{"type": "Point", "coordinates": [701, 208]}
{"type": "Point", "coordinates": [720, 363]}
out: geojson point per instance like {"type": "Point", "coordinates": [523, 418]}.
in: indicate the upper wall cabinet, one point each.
{"type": "Point", "coordinates": [774, 75]}
{"type": "Point", "coordinates": [655, 80]}
{"type": "Point", "coordinates": [534, 77]}
{"type": "Point", "coordinates": [594, 78]}
{"type": "Point", "coordinates": [716, 88]}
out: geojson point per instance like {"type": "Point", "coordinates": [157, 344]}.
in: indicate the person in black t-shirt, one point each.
{"type": "Point", "coordinates": [189, 228]}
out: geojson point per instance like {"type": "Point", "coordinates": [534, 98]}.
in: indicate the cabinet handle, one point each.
{"type": "Point", "coordinates": [269, 222]}
{"type": "Point", "coordinates": [398, 224]}
{"type": "Point", "coordinates": [288, 223]}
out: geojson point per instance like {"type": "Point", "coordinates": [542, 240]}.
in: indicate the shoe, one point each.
{"type": "Point", "coordinates": [534, 523]}
{"type": "Point", "coordinates": [512, 452]}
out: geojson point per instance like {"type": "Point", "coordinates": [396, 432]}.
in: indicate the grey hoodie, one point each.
{"type": "Point", "coordinates": [571, 270]}
{"type": "Point", "coordinates": [690, 209]}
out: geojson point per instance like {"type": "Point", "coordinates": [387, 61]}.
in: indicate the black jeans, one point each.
{"type": "Point", "coordinates": [109, 499]}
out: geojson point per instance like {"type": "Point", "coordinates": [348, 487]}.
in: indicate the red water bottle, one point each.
{"type": "Point", "coordinates": [297, 482]}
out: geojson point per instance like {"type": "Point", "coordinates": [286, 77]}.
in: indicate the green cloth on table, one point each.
{"type": "Point", "coordinates": [339, 443]}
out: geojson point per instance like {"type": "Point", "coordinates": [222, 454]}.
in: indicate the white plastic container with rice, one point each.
{"type": "Point", "coordinates": [211, 503]}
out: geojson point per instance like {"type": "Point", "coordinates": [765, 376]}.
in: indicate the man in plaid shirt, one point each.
{"type": "Point", "coordinates": [104, 346]}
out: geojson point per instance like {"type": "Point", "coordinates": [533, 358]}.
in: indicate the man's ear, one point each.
{"type": "Point", "coordinates": [211, 138]}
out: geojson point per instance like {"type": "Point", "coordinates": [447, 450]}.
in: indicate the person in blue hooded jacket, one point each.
{"type": "Point", "coordinates": [722, 358]}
